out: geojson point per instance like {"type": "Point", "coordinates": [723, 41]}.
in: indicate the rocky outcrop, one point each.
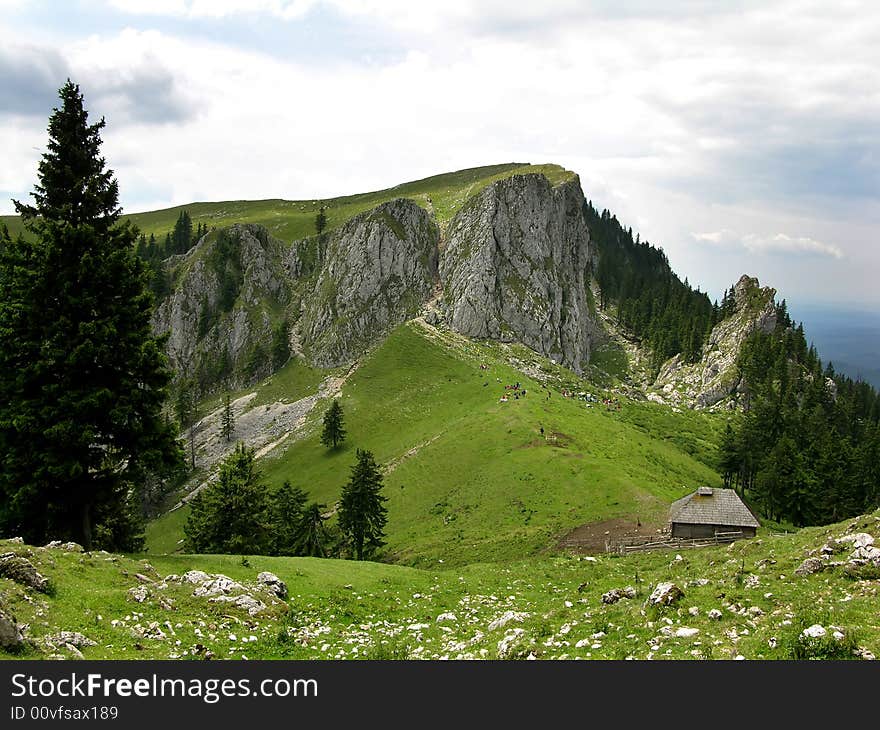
{"type": "Point", "coordinates": [22, 571]}
{"type": "Point", "coordinates": [227, 305]}
{"type": "Point", "coordinates": [714, 378]}
{"type": "Point", "coordinates": [378, 270]}
{"type": "Point", "coordinates": [516, 265]}
{"type": "Point", "coordinates": [11, 637]}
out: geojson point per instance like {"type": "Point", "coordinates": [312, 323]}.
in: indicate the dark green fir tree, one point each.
{"type": "Point", "coordinates": [362, 513]}
{"type": "Point", "coordinates": [82, 377]}
{"type": "Point", "coordinates": [333, 433]}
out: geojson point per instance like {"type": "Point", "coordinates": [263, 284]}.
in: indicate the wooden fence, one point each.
{"type": "Point", "coordinates": [641, 543]}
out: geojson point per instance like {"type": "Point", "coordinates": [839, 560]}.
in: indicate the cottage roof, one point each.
{"type": "Point", "coordinates": [712, 507]}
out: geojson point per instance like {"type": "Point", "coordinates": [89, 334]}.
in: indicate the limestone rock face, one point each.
{"type": "Point", "coordinates": [227, 294]}
{"type": "Point", "coordinates": [714, 378]}
{"type": "Point", "coordinates": [378, 270]}
{"type": "Point", "coordinates": [516, 268]}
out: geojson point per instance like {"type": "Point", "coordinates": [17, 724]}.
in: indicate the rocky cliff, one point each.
{"type": "Point", "coordinates": [515, 267]}
{"type": "Point", "coordinates": [377, 271]}
{"type": "Point", "coordinates": [713, 379]}
{"type": "Point", "coordinates": [227, 305]}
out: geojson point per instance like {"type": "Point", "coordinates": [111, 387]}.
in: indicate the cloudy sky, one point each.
{"type": "Point", "coordinates": [740, 136]}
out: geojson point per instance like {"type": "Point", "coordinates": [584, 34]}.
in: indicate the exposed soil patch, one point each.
{"type": "Point", "coordinates": [590, 538]}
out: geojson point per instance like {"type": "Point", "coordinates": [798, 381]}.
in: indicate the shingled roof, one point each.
{"type": "Point", "coordinates": [712, 507]}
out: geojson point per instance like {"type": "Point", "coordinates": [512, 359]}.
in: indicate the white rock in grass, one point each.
{"type": "Point", "coordinates": [194, 576]}
{"type": "Point", "coordinates": [816, 631]}
{"type": "Point", "coordinates": [506, 618]}
{"type": "Point", "coordinates": [447, 616]}
{"type": "Point", "coordinates": [686, 632]}
{"type": "Point", "coordinates": [858, 539]}
{"type": "Point", "coordinates": [714, 614]}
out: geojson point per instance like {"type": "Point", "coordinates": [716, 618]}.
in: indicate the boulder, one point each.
{"type": "Point", "coordinates": [685, 632]}
{"type": "Point", "coordinates": [857, 539]}
{"type": "Point", "coordinates": [810, 566]}
{"type": "Point", "coordinates": [665, 594]}
{"type": "Point", "coordinates": [714, 614]}
{"type": "Point", "coordinates": [273, 584]}
{"type": "Point", "coordinates": [512, 641]}
{"type": "Point", "coordinates": [615, 594]}
{"type": "Point", "coordinates": [866, 552]}
{"type": "Point", "coordinates": [219, 585]}
{"type": "Point", "coordinates": [244, 601]}
{"type": "Point", "coordinates": [22, 571]}
{"type": "Point", "coordinates": [506, 618]}
{"type": "Point", "coordinates": [816, 631]}
{"type": "Point", "coordinates": [11, 637]}
{"type": "Point", "coordinates": [193, 576]}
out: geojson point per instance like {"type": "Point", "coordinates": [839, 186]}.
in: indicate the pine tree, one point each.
{"type": "Point", "coordinates": [82, 377]}
{"type": "Point", "coordinates": [362, 514]}
{"type": "Point", "coordinates": [230, 514]}
{"type": "Point", "coordinates": [227, 425]}
{"type": "Point", "coordinates": [185, 410]}
{"type": "Point", "coordinates": [311, 535]}
{"type": "Point", "coordinates": [286, 512]}
{"type": "Point", "coordinates": [333, 433]}
{"type": "Point", "coordinates": [320, 221]}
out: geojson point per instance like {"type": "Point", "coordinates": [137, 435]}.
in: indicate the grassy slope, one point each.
{"type": "Point", "coordinates": [289, 220]}
{"type": "Point", "coordinates": [347, 609]}
{"type": "Point", "coordinates": [480, 482]}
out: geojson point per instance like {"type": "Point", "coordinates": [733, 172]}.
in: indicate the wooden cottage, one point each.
{"type": "Point", "coordinates": [709, 512]}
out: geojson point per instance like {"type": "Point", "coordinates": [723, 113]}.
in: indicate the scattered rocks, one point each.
{"type": "Point", "coordinates": [810, 566]}
{"type": "Point", "coordinates": [511, 641]}
{"type": "Point", "coordinates": [447, 616]}
{"type": "Point", "coordinates": [73, 638]}
{"type": "Point", "coordinates": [665, 594]}
{"type": "Point", "coordinates": [714, 614]}
{"type": "Point", "coordinates": [273, 583]}
{"type": "Point", "coordinates": [139, 594]}
{"type": "Point", "coordinates": [71, 547]}
{"type": "Point", "coordinates": [615, 594]}
{"type": "Point", "coordinates": [22, 571]}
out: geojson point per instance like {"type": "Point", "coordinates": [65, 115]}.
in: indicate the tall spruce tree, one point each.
{"type": "Point", "coordinates": [82, 378]}
{"type": "Point", "coordinates": [230, 515]}
{"type": "Point", "coordinates": [362, 514]}
{"type": "Point", "coordinates": [333, 433]}
{"type": "Point", "coordinates": [311, 535]}
{"type": "Point", "coordinates": [227, 424]}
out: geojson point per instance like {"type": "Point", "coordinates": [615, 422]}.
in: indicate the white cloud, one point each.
{"type": "Point", "coordinates": [287, 9]}
{"type": "Point", "coordinates": [769, 244]}
{"type": "Point", "coordinates": [682, 116]}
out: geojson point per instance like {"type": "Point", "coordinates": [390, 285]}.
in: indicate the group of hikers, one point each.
{"type": "Point", "coordinates": [515, 391]}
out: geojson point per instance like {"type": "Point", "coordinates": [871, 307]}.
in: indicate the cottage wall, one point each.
{"type": "Point", "coordinates": [691, 531]}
